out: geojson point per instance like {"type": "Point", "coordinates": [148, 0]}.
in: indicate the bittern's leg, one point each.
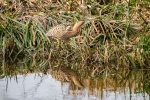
{"type": "Point", "coordinates": [59, 44]}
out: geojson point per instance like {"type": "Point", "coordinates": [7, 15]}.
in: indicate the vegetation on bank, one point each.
{"type": "Point", "coordinates": [115, 32]}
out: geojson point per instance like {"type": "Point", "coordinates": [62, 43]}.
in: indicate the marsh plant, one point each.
{"type": "Point", "coordinates": [115, 32]}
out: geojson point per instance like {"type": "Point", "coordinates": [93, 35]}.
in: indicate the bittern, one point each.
{"type": "Point", "coordinates": [65, 31]}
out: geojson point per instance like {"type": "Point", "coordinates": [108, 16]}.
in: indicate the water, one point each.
{"type": "Point", "coordinates": [44, 87]}
{"type": "Point", "coordinates": [24, 80]}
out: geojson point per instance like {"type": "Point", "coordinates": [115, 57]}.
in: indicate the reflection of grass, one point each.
{"type": "Point", "coordinates": [134, 81]}
{"type": "Point", "coordinates": [113, 32]}
{"type": "Point", "coordinates": [93, 77]}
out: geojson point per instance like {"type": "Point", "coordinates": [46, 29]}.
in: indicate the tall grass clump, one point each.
{"type": "Point", "coordinates": [23, 34]}
{"type": "Point", "coordinates": [114, 32]}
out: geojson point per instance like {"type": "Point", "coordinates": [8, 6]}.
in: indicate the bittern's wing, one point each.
{"type": "Point", "coordinates": [59, 30]}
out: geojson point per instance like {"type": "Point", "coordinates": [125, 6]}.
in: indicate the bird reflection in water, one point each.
{"type": "Point", "coordinates": [67, 75]}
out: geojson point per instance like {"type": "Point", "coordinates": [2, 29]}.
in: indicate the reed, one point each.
{"type": "Point", "coordinates": [113, 31]}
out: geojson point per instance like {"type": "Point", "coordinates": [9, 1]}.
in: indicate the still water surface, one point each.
{"type": "Point", "coordinates": [28, 79]}
{"type": "Point", "coordinates": [38, 86]}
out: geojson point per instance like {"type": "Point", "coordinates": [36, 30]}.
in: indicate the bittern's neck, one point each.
{"type": "Point", "coordinates": [77, 26]}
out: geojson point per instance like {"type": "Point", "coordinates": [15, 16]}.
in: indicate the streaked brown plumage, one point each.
{"type": "Point", "coordinates": [65, 31]}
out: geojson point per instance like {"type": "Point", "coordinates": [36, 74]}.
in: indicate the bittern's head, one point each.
{"type": "Point", "coordinates": [77, 26]}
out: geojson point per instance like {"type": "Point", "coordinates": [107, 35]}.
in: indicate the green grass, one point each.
{"type": "Point", "coordinates": [113, 32]}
